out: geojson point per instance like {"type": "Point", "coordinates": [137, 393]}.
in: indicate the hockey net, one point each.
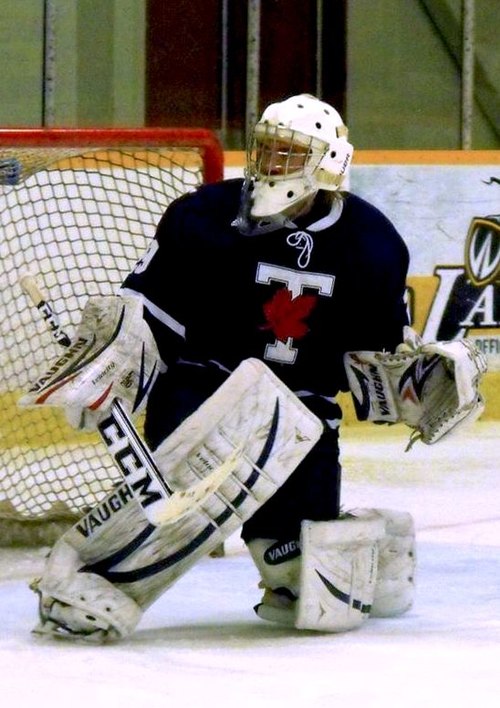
{"type": "Point", "coordinates": [77, 210]}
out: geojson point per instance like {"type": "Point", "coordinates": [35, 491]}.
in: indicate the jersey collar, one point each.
{"type": "Point", "coordinates": [330, 219]}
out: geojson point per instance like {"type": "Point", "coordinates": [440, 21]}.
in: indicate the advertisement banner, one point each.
{"type": "Point", "coordinates": [446, 206]}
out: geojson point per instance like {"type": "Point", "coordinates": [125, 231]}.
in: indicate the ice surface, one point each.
{"type": "Point", "coordinates": [200, 645]}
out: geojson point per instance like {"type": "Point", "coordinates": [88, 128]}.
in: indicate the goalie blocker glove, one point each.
{"type": "Point", "coordinates": [430, 387]}
{"type": "Point", "coordinates": [113, 355]}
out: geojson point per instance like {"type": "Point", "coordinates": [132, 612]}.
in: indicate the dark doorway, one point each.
{"type": "Point", "coordinates": [197, 55]}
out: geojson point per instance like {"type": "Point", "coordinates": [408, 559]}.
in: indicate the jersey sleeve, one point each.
{"type": "Point", "coordinates": [380, 287]}
{"type": "Point", "coordinates": [387, 313]}
{"type": "Point", "coordinates": [159, 280]}
{"type": "Point", "coordinates": [180, 278]}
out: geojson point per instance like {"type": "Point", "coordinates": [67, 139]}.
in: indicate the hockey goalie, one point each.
{"type": "Point", "coordinates": [258, 301]}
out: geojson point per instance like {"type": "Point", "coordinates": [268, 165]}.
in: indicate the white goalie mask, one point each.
{"type": "Point", "coordinates": [298, 147]}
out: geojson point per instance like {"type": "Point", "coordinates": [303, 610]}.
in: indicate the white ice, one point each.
{"type": "Point", "coordinates": [200, 645]}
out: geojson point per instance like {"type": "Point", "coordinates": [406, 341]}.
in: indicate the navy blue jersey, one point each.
{"type": "Point", "coordinates": [297, 298]}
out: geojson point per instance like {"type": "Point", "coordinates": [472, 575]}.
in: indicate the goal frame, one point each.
{"type": "Point", "coordinates": [209, 162]}
{"type": "Point", "coordinates": [202, 139]}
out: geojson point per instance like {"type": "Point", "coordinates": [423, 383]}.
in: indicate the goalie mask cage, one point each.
{"type": "Point", "coordinates": [78, 208]}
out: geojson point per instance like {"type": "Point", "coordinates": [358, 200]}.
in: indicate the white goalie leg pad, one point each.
{"type": "Point", "coordinates": [81, 605]}
{"type": "Point", "coordinates": [338, 573]}
{"type": "Point", "coordinates": [252, 412]}
{"type": "Point", "coordinates": [397, 562]}
{"type": "Point", "coordinates": [325, 582]}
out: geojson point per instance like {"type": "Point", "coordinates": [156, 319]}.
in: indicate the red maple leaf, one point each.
{"type": "Point", "coordinates": [285, 314]}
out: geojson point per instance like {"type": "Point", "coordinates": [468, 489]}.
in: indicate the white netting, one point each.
{"type": "Point", "coordinates": [78, 219]}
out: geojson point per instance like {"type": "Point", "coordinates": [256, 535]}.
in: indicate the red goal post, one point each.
{"type": "Point", "coordinates": [78, 208]}
{"type": "Point", "coordinates": [199, 140]}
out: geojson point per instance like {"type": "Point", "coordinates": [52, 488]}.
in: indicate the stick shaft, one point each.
{"type": "Point", "coordinates": [30, 287]}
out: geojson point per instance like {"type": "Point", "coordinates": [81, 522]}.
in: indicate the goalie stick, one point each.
{"type": "Point", "coordinates": [161, 504]}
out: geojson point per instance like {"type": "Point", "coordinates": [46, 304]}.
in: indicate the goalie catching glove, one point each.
{"type": "Point", "coordinates": [430, 387]}
{"type": "Point", "coordinates": [113, 355]}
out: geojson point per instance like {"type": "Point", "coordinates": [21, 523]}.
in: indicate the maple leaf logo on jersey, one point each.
{"type": "Point", "coordinates": [285, 314]}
